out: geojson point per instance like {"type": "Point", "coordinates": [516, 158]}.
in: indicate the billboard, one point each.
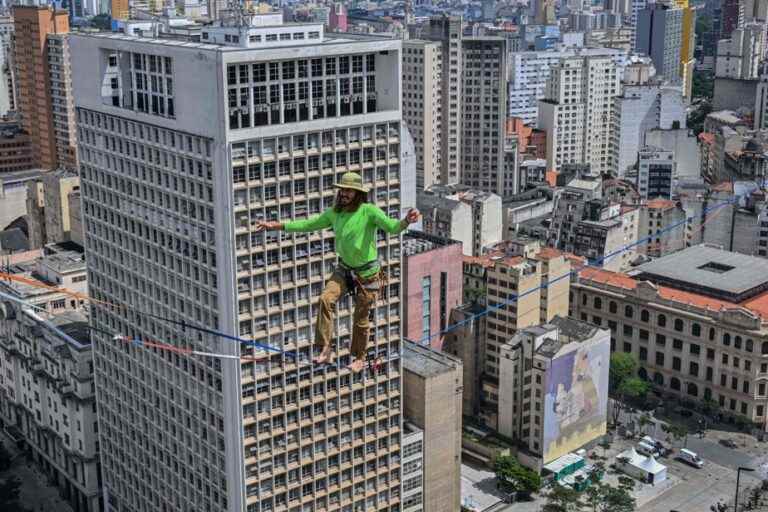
{"type": "Point", "coordinates": [576, 398]}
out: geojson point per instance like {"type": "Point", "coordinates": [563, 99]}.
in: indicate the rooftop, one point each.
{"type": "Point", "coordinates": [75, 325]}
{"type": "Point", "coordinates": [426, 362]}
{"type": "Point", "coordinates": [709, 271]}
{"type": "Point", "coordinates": [65, 261]}
{"type": "Point", "coordinates": [417, 242]}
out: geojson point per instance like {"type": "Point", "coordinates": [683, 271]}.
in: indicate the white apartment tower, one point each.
{"type": "Point", "coordinates": [183, 147]}
{"type": "Point", "coordinates": [739, 56]}
{"type": "Point", "coordinates": [422, 107]}
{"type": "Point", "coordinates": [577, 111]}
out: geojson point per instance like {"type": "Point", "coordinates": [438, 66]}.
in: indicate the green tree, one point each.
{"type": "Point", "coordinates": [623, 367]}
{"type": "Point", "coordinates": [644, 420]}
{"type": "Point", "coordinates": [616, 499]}
{"type": "Point", "coordinates": [563, 499]}
{"type": "Point", "coordinates": [677, 432]}
{"type": "Point", "coordinates": [515, 476]}
{"type": "Point", "coordinates": [626, 483]}
{"type": "Point", "coordinates": [633, 387]}
{"type": "Point", "coordinates": [593, 496]}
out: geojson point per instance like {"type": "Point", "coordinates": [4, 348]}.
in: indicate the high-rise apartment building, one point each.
{"type": "Point", "coordinates": [515, 287]}
{"type": "Point", "coordinates": [448, 30]}
{"type": "Point", "coordinates": [422, 107]}
{"type": "Point", "coordinates": [739, 56]}
{"type": "Point", "coordinates": [731, 17]}
{"type": "Point", "coordinates": [7, 67]}
{"type": "Point", "coordinates": [660, 36]}
{"type": "Point", "coordinates": [642, 106]}
{"type": "Point", "coordinates": [577, 111]}
{"type": "Point", "coordinates": [432, 392]}
{"type": "Point", "coordinates": [529, 72]}
{"type": "Point", "coordinates": [687, 60]}
{"type": "Point", "coordinates": [32, 25]}
{"type": "Point", "coordinates": [62, 105]}
{"type": "Point", "coordinates": [170, 205]}
{"type": "Point", "coordinates": [662, 221]}
{"type": "Point", "coordinates": [488, 163]}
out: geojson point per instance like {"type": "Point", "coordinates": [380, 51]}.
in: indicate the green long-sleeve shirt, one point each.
{"type": "Point", "coordinates": [355, 232]}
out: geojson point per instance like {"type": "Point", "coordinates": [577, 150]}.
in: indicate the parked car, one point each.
{"type": "Point", "coordinates": [663, 450]}
{"type": "Point", "coordinates": [728, 443]}
{"type": "Point", "coordinates": [690, 457]}
{"type": "Point", "coordinates": [647, 449]}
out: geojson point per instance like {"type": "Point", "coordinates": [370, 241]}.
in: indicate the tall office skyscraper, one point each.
{"type": "Point", "coordinates": [577, 111]}
{"type": "Point", "coordinates": [184, 146]}
{"type": "Point", "coordinates": [423, 107]}
{"type": "Point", "coordinates": [660, 36]}
{"type": "Point", "coordinates": [32, 25]}
{"type": "Point", "coordinates": [448, 30]}
{"type": "Point", "coordinates": [488, 163]}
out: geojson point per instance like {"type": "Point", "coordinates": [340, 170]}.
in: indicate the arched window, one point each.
{"type": "Point", "coordinates": [696, 329]}
{"type": "Point", "coordinates": [628, 311]}
{"type": "Point", "coordinates": [642, 373]}
{"type": "Point", "coordinates": [749, 345]}
{"type": "Point", "coordinates": [644, 316]}
{"type": "Point", "coordinates": [707, 394]}
{"type": "Point", "coordinates": [727, 339]}
{"type": "Point", "coordinates": [674, 383]}
{"type": "Point", "coordinates": [765, 348]}
{"type": "Point", "coordinates": [584, 299]}
{"type": "Point", "coordinates": [658, 379]}
{"type": "Point", "coordinates": [597, 303]}
{"type": "Point", "coordinates": [661, 320]}
{"type": "Point", "coordinates": [612, 308]}
{"type": "Point", "coordinates": [711, 334]}
{"type": "Point", "coordinates": [737, 342]}
{"type": "Point", "coordinates": [693, 390]}
{"type": "Point", "coordinates": [678, 325]}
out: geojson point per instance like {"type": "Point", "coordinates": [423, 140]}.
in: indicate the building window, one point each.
{"type": "Point", "coordinates": [661, 321]}
{"type": "Point", "coordinates": [426, 307]}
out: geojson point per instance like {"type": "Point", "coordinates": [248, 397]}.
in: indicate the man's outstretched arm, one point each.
{"type": "Point", "coordinates": [393, 226]}
{"type": "Point", "coordinates": [313, 223]}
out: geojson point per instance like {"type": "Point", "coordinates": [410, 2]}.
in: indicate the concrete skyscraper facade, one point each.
{"type": "Point", "coordinates": [423, 107]}
{"type": "Point", "coordinates": [577, 111]}
{"type": "Point", "coordinates": [660, 36]}
{"type": "Point", "coordinates": [448, 30]}
{"type": "Point", "coordinates": [170, 205]}
{"type": "Point", "coordinates": [32, 25]}
{"type": "Point", "coordinates": [739, 56]}
{"type": "Point", "coordinates": [487, 164]}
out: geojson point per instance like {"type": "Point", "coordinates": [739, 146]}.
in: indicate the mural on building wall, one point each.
{"type": "Point", "coordinates": [576, 400]}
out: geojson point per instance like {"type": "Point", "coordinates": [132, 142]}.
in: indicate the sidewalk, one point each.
{"type": "Point", "coordinates": [35, 493]}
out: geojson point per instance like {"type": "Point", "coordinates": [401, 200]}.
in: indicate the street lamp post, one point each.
{"type": "Point", "coordinates": [736, 498]}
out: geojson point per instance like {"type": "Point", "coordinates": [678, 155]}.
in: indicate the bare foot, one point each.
{"type": "Point", "coordinates": [357, 365]}
{"type": "Point", "coordinates": [324, 356]}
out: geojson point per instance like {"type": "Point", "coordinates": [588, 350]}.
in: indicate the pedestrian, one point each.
{"type": "Point", "coordinates": [354, 222]}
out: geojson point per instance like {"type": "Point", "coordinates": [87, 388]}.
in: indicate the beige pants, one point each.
{"type": "Point", "coordinates": [364, 300]}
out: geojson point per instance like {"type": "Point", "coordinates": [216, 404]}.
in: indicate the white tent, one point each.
{"type": "Point", "coordinates": [643, 468]}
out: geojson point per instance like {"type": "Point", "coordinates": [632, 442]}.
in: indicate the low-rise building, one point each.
{"type": "Point", "coordinates": [553, 388]}
{"type": "Point", "coordinates": [432, 388]}
{"type": "Point", "coordinates": [432, 285]}
{"type": "Point", "coordinates": [46, 375]}
{"type": "Point", "coordinates": [458, 213]}
{"type": "Point", "coordinates": [696, 321]}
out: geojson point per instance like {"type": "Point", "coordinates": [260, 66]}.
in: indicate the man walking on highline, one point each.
{"type": "Point", "coordinates": [354, 221]}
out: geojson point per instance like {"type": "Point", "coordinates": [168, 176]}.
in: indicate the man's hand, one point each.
{"type": "Point", "coordinates": [269, 226]}
{"type": "Point", "coordinates": [412, 216]}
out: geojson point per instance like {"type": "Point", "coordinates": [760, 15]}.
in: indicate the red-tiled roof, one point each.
{"type": "Point", "coordinates": [757, 305]}
{"type": "Point", "coordinates": [660, 204]}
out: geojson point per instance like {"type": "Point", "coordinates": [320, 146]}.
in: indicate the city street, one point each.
{"type": "Point", "coordinates": [35, 493]}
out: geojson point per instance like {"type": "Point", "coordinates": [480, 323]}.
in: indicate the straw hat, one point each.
{"type": "Point", "coordinates": [353, 181]}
